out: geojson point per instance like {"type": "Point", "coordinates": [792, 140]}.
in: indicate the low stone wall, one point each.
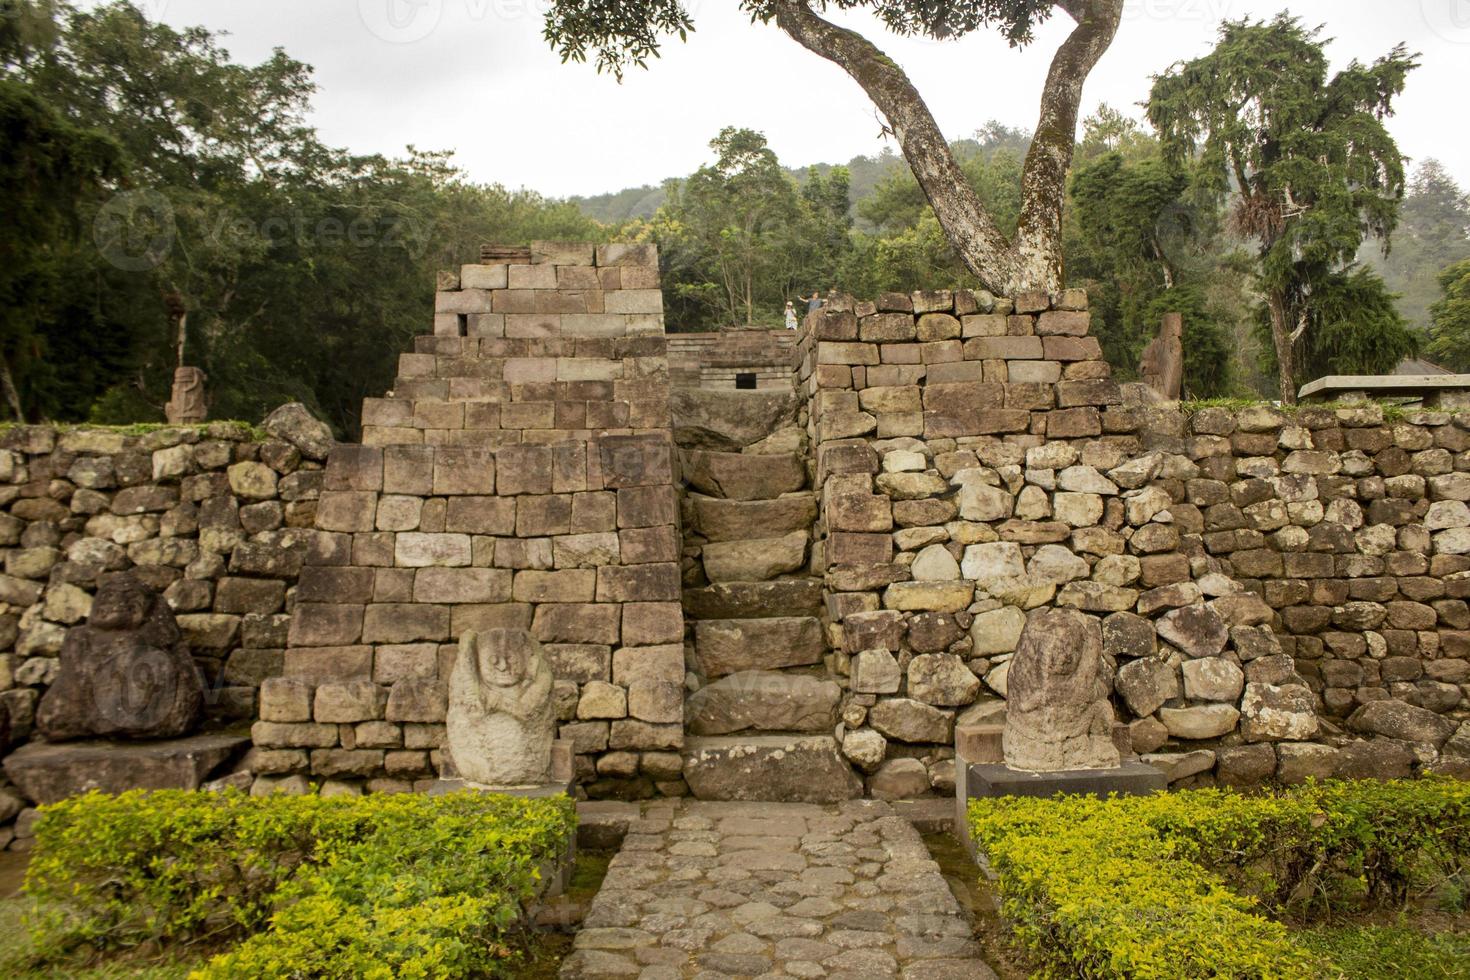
{"type": "Point", "coordinates": [217, 516]}
{"type": "Point", "coordinates": [1269, 587]}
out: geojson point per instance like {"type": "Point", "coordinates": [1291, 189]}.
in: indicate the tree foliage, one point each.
{"type": "Point", "coordinates": [302, 269]}
{"type": "Point", "coordinates": [739, 238]}
{"type": "Point", "coordinates": [1433, 233]}
{"type": "Point", "coordinates": [1449, 330]}
{"type": "Point", "coordinates": [1354, 328]}
{"type": "Point", "coordinates": [620, 34]}
{"type": "Point", "coordinates": [1314, 168]}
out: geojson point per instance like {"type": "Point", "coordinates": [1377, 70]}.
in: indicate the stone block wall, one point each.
{"type": "Point", "coordinates": [520, 475]}
{"type": "Point", "coordinates": [1258, 580]}
{"type": "Point", "coordinates": [1280, 594]}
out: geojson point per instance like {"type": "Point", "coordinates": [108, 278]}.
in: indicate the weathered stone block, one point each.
{"type": "Point", "coordinates": [654, 582]}
{"type": "Point", "coordinates": [568, 585]}
{"type": "Point", "coordinates": [422, 550]}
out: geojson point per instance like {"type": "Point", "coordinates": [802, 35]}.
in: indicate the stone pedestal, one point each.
{"type": "Point", "coordinates": [989, 780]}
{"type": "Point", "coordinates": [561, 781]}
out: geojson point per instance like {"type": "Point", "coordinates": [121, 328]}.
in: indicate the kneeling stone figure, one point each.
{"type": "Point", "coordinates": [501, 721]}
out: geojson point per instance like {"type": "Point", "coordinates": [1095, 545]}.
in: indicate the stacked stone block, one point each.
{"type": "Point", "coordinates": [1355, 532]}
{"type": "Point", "coordinates": [716, 360]}
{"type": "Point", "coordinates": [521, 475]}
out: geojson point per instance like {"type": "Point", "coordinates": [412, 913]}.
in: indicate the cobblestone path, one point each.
{"type": "Point", "coordinates": [712, 891]}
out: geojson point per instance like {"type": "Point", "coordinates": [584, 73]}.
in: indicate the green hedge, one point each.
{"type": "Point", "coordinates": [374, 886]}
{"type": "Point", "coordinates": [1175, 885]}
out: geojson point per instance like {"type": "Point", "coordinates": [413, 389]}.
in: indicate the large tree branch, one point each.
{"type": "Point", "coordinates": [1035, 260]}
{"type": "Point", "coordinates": [1044, 179]}
{"type": "Point", "coordinates": [979, 244]}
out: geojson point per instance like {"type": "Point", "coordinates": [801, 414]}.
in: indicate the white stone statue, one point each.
{"type": "Point", "coordinates": [501, 721]}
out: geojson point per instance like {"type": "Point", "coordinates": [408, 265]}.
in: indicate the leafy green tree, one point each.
{"type": "Point", "coordinates": [1354, 327]}
{"type": "Point", "coordinates": [1449, 318]}
{"type": "Point", "coordinates": [738, 215]}
{"type": "Point", "coordinates": [1313, 167]}
{"type": "Point", "coordinates": [623, 34]}
{"type": "Point", "coordinates": [1138, 248]}
{"type": "Point", "coordinates": [303, 270]}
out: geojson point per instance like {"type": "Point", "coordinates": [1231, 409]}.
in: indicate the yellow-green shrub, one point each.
{"type": "Point", "coordinates": [369, 886]}
{"type": "Point", "coordinates": [1153, 886]}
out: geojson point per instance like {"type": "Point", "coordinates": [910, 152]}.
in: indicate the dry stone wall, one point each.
{"type": "Point", "coordinates": [1271, 589]}
{"type": "Point", "coordinates": [1280, 594]}
{"type": "Point", "coordinates": [520, 475]}
{"type": "Point", "coordinates": [217, 517]}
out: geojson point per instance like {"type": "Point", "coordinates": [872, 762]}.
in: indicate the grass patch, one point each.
{"type": "Point", "coordinates": [1392, 411]}
{"type": "Point", "coordinates": [240, 431]}
{"type": "Point", "coordinates": [1370, 952]}
{"type": "Point", "coordinates": [22, 958]}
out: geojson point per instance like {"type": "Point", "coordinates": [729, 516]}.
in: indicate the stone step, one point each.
{"type": "Point", "coordinates": [779, 768]}
{"type": "Point", "coordinates": [763, 700]}
{"type": "Point", "coordinates": [718, 519]}
{"type": "Point", "coordinates": [776, 643]}
{"type": "Point", "coordinates": [706, 418]}
{"type": "Point", "coordinates": [755, 559]}
{"type": "Point", "coordinates": [743, 476]}
{"type": "Point", "coordinates": [751, 600]}
{"type": "Point", "coordinates": [727, 646]}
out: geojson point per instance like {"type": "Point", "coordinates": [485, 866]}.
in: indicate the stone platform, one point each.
{"type": "Point", "coordinates": [48, 772]}
{"type": "Point", "coordinates": [716, 891]}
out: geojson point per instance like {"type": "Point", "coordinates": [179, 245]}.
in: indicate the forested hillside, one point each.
{"type": "Point", "coordinates": [146, 176]}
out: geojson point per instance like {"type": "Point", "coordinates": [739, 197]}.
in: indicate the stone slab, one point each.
{"type": "Point", "coordinates": [1132, 778]}
{"type": "Point", "coordinates": [788, 768]}
{"type": "Point", "coordinates": [49, 772]}
{"type": "Point", "coordinates": [988, 780]}
{"type": "Point", "coordinates": [1383, 385]}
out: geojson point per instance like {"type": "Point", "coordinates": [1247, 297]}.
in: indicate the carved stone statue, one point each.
{"type": "Point", "coordinates": [501, 720]}
{"type": "Point", "coordinates": [188, 403]}
{"type": "Point", "coordinates": [1058, 716]}
{"type": "Point", "coordinates": [126, 674]}
{"type": "Point", "coordinates": [1162, 364]}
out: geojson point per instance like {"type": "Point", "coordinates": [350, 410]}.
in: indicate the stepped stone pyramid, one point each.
{"type": "Point", "coordinates": [521, 474]}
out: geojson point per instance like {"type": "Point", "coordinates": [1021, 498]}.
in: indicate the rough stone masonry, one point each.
{"type": "Point", "coordinates": [1280, 594]}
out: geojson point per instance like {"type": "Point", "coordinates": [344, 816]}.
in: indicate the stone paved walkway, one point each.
{"type": "Point", "coordinates": [717, 891]}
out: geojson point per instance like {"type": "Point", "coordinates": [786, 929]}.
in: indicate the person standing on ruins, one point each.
{"type": "Point", "coordinates": [790, 316]}
{"type": "Point", "coordinates": [814, 303]}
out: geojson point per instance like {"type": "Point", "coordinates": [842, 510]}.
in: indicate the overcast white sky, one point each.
{"type": "Point", "coordinates": [475, 76]}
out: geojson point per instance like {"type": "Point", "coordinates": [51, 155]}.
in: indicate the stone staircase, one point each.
{"type": "Point", "coordinates": [760, 726]}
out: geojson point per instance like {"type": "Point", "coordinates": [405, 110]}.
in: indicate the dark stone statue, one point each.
{"type": "Point", "coordinates": [126, 674]}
